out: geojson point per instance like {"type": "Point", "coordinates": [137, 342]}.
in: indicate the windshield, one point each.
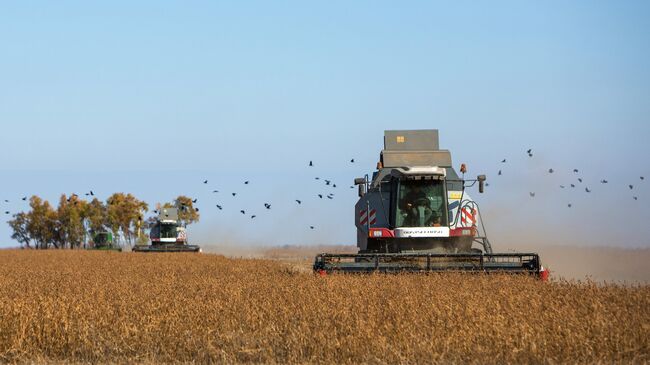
{"type": "Point", "coordinates": [421, 203]}
{"type": "Point", "coordinates": [167, 231]}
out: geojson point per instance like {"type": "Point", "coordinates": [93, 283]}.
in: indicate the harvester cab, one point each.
{"type": "Point", "coordinates": [415, 214]}
{"type": "Point", "coordinates": [167, 234]}
{"type": "Point", "coordinates": [103, 241]}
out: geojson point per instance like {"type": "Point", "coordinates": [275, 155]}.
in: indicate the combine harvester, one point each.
{"type": "Point", "coordinates": [416, 216]}
{"type": "Point", "coordinates": [167, 235]}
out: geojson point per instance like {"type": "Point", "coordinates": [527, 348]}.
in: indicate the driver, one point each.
{"type": "Point", "coordinates": [411, 202]}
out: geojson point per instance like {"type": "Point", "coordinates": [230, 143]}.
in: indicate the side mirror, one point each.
{"type": "Point", "coordinates": [360, 181]}
{"type": "Point", "coordinates": [362, 190]}
{"type": "Point", "coordinates": [481, 183]}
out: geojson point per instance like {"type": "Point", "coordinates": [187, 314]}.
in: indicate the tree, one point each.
{"type": "Point", "coordinates": [71, 214]}
{"type": "Point", "coordinates": [96, 217]}
{"type": "Point", "coordinates": [124, 214]}
{"type": "Point", "coordinates": [42, 223]}
{"type": "Point", "coordinates": [187, 214]}
{"type": "Point", "coordinates": [19, 226]}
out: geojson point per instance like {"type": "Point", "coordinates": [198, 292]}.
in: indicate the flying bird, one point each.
{"type": "Point", "coordinates": [330, 197]}
{"type": "Point", "coordinates": [352, 161]}
{"type": "Point", "coordinates": [333, 185]}
{"type": "Point", "coordinates": [550, 171]}
{"type": "Point", "coordinates": [562, 186]}
{"type": "Point", "coordinates": [580, 179]}
{"type": "Point", "coordinates": [253, 216]}
{"type": "Point", "coordinates": [499, 172]}
{"type": "Point", "coordinates": [575, 170]}
{"type": "Point", "coordinates": [215, 191]}
{"type": "Point", "coordinates": [233, 194]}
{"type": "Point", "coordinates": [530, 150]}
{"type": "Point", "coordinates": [641, 177]}
{"type": "Point", "coordinates": [587, 190]}
{"type": "Point", "coordinates": [194, 200]}
{"type": "Point", "coordinates": [573, 185]}
{"type": "Point", "coordinates": [196, 209]}
{"type": "Point", "coordinates": [220, 207]}
{"type": "Point", "coordinates": [532, 195]}
{"type": "Point", "coordinates": [6, 212]}
{"type": "Point", "coordinates": [155, 211]}
{"type": "Point", "coordinates": [631, 187]}
{"type": "Point", "coordinates": [91, 193]}
{"type": "Point", "coordinates": [298, 201]}
{"type": "Point", "coordinates": [327, 182]}
{"type": "Point", "coordinates": [246, 182]}
{"type": "Point", "coordinates": [569, 205]}
{"type": "Point", "coordinates": [503, 161]}
{"type": "Point", "coordinates": [242, 211]}
{"type": "Point", "coordinates": [205, 181]}
{"type": "Point", "coordinates": [311, 163]}
{"type": "Point", "coordinates": [320, 196]}
{"type": "Point", "coordinates": [635, 198]}
{"type": "Point", "coordinates": [311, 227]}
{"type": "Point", "coordinates": [6, 201]}
{"type": "Point", "coordinates": [317, 178]}
{"type": "Point", "coordinates": [24, 198]}
{"type": "Point", "coordinates": [267, 206]}
{"type": "Point", "coordinates": [603, 181]}
{"type": "Point", "coordinates": [351, 187]}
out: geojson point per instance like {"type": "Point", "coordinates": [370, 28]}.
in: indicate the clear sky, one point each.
{"type": "Point", "coordinates": [153, 97]}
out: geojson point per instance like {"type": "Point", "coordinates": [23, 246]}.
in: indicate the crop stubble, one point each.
{"type": "Point", "coordinates": [124, 307]}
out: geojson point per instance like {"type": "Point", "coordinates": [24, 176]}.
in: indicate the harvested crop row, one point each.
{"type": "Point", "coordinates": [105, 306]}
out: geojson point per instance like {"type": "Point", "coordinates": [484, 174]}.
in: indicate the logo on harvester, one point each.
{"type": "Point", "coordinates": [363, 217]}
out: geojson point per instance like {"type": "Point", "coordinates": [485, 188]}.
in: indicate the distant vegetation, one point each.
{"type": "Point", "coordinates": [75, 221]}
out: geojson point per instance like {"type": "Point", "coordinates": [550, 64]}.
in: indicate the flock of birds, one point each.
{"type": "Point", "coordinates": [267, 205]}
{"type": "Point", "coordinates": [529, 152]}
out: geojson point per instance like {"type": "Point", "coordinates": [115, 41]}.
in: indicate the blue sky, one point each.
{"type": "Point", "coordinates": [154, 97]}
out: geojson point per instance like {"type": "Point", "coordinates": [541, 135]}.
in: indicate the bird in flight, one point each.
{"type": "Point", "coordinates": [352, 161]}
{"type": "Point", "coordinates": [194, 201]}
{"type": "Point", "coordinates": [635, 198]}
{"type": "Point", "coordinates": [580, 179]}
{"type": "Point", "coordinates": [311, 163]}
{"type": "Point", "coordinates": [205, 181]}
{"type": "Point", "coordinates": [267, 205]}
{"type": "Point", "coordinates": [550, 171]}
{"type": "Point", "coordinates": [242, 211]}
{"type": "Point", "coordinates": [233, 194]}
{"type": "Point", "coordinates": [327, 182]}
{"type": "Point", "coordinates": [220, 207]}
{"type": "Point", "coordinates": [246, 182]}
{"type": "Point", "coordinates": [196, 209]}
{"type": "Point", "coordinates": [641, 177]}
{"type": "Point", "coordinates": [532, 195]}
{"type": "Point", "coordinates": [503, 161]}
{"type": "Point", "coordinates": [562, 186]}
{"type": "Point", "coordinates": [587, 190]}
{"type": "Point", "coordinates": [311, 227]}
{"type": "Point", "coordinates": [320, 196]}
{"type": "Point", "coordinates": [6, 212]}
{"type": "Point", "coordinates": [575, 170]}
{"type": "Point", "coordinates": [24, 198]}
{"type": "Point", "coordinates": [253, 216]}
{"type": "Point", "coordinates": [569, 205]}
{"type": "Point", "coordinates": [603, 181]}
{"type": "Point", "coordinates": [499, 172]}
{"type": "Point", "coordinates": [631, 187]}
{"type": "Point", "coordinates": [317, 178]}
{"type": "Point", "coordinates": [298, 201]}
{"type": "Point", "coordinates": [573, 185]}
{"type": "Point", "coordinates": [215, 191]}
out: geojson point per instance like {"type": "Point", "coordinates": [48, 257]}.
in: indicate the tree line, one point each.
{"type": "Point", "coordinates": [74, 222]}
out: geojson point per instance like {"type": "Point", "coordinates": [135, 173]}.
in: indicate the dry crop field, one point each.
{"type": "Point", "coordinates": [75, 306]}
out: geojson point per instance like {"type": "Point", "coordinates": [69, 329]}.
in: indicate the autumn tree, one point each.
{"type": "Point", "coordinates": [187, 214]}
{"type": "Point", "coordinates": [19, 227]}
{"type": "Point", "coordinates": [71, 214]}
{"type": "Point", "coordinates": [42, 223]}
{"type": "Point", "coordinates": [124, 213]}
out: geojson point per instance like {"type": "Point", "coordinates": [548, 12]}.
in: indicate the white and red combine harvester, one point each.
{"type": "Point", "coordinates": [167, 235]}
{"type": "Point", "coordinates": [416, 215]}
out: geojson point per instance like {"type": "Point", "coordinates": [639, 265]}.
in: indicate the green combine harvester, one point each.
{"type": "Point", "coordinates": [103, 241]}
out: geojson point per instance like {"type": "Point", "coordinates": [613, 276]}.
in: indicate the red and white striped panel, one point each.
{"type": "Point", "coordinates": [468, 217]}
{"type": "Point", "coordinates": [363, 217]}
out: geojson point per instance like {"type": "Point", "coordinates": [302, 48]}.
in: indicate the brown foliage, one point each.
{"type": "Point", "coordinates": [112, 307]}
